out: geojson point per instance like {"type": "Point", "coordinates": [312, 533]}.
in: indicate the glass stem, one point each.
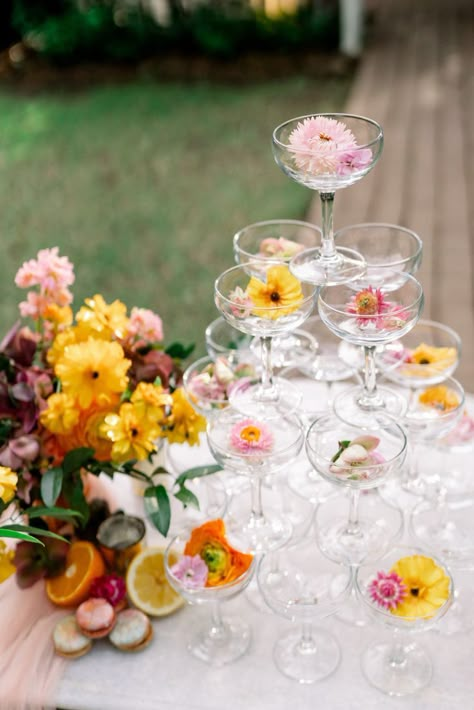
{"type": "Point", "coordinates": [353, 527]}
{"type": "Point", "coordinates": [256, 493]}
{"type": "Point", "coordinates": [397, 657]}
{"type": "Point", "coordinates": [306, 644]}
{"type": "Point", "coordinates": [217, 630]}
{"type": "Point", "coordinates": [370, 398]}
{"type": "Point", "coordinates": [328, 248]}
{"type": "Point", "coordinates": [267, 368]}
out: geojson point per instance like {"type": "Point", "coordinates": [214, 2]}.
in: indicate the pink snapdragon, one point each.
{"type": "Point", "coordinates": [52, 274]}
{"type": "Point", "coordinates": [144, 324]}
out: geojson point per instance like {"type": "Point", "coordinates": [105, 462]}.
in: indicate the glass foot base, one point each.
{"type": "Point", "coordinates": [348, 407]}
{"type": "Point", "coordinates": [398, 679]}
{"type": "Point", "coordinates": [307, 662]}
{"type": "Point", "coordinates": [371, 540]}
{"type": "Point", "coordinates": [294, 349]}
{"type": "Point", "coordinates": [221, 647]}
{"type": "Point", "coordinates": [346, 265]}
{"type": "Point", "coordinates": [253, 401]}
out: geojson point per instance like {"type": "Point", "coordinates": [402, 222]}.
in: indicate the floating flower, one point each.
{"type": "Point", "coordinates": [7, 568]}
{"type": "Point", "coordinates": [368, 304]}
{"type": "Point", "coordinates": [428, 587]}
{"type": "Point", "coordinates": [427, 360]}
{"type": "Point", "coordinates": [224, 563]}
{"type": "Point", "coordinates": [320, 143]}
{"type": "Point", "coordinates": [353, 160]}
{"type": "Point", "coordinates": [8, 483]}
{"type": "Point", "coordinates": [240, 303]}
{"type": "Point", "coordinates": [110, 587]}
{"type": "Point", "coordinates": [250, 436]}
{"type": "Point", "coordinates": [217, 379]}
{"type": "Point", "coordinates": [463, 432]}
{"type": "Point", "coordinates": [192, 572]}
{"type": "Point", "coordinates": [278, 296]}
{"type": "Point", "coordinates": [103, 319]}
{"type": "Point", "coordinates": [439, 397]}
{"type": "Point", "coordinates": [185, 424]}
{"type": "Point", "coordinates": [280, 248]}
{"type": "Point", "coordinates": [353, 456]}
{"type": "Point", "coordinates": [93, 371]}
{"type": "Point", "coordinates": [387, 590]}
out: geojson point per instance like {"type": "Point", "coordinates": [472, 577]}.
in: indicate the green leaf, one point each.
{"type": "Point", "coordinates": [160, 469]}
{"type": "Point", "coordinates": [8, 532]}
{"type": "Point", "coordinates": [53, 512]}
{"type": "Point", "coordinates": [36, 531]}
{"type": "Point", "coordinates": [74, 493]}
{"type": "Point", "coordinates": [187, 497]}
{"type": "Point", "coordinates": [51, 484]}
{"type": "Point", "coordinates": [179, 351]}
{"type": "Point", "coordinates": [161, 517]}
{"type": "Point", "coordinates": [76, 459]}
{"type": "Point", "coordinates": [197, 472]}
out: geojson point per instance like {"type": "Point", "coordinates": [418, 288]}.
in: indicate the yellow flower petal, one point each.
{"type": "Point", "coordinates": [280, 295]}
{"type": "Point", "coordinates": [8, 483]}
{"type": "Point", "coordinates": [428, 587]}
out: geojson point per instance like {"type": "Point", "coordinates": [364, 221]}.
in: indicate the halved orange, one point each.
{"type": "Point", "coordinates": [83, 564]}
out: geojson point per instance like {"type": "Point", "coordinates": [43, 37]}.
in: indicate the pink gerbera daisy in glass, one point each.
{"type": "Point", "coordinates": [369, 304]}
{"type": "Point", "coordinates": [319, 143]}
{"type": "Point", "coordinates": [387, 590]}
{"type": "Point", "coordinates": [249, 436]}
{"type": "Point", "coordinates": [191, 571]}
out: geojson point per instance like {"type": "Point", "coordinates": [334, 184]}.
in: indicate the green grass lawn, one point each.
{"type": "Point", "coordinates": [143, 186]}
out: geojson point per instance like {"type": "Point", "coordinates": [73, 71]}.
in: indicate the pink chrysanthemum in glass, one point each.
{"type": "Point", "coordinates": [250, 436]}
{"type": "Point", "coordinates": [145, 325]}
{"type": "Point", "coordinates": [369, 304]}
{"type": "Point", "coordinates": [319, 143]}
{"type": "Point", "coordinates": [192, 572]}
{"type": "Point", "coordinates": [387, 590]}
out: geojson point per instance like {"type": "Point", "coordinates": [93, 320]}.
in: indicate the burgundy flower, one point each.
{"type": "Point", "coordinates": [110, 587]}
{"type": "Point", "coordinates": [155, 363]}
{"type": "Point", "coordinates": [33, 562]}
{"type": "Point", "coordinates": [20, 345]}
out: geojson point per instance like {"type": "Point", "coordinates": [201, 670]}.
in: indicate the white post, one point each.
{"type": "Point", "coordinates": [351, 16]}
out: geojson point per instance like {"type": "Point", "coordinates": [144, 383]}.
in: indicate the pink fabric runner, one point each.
{"type": "Point", "coordinates": [29, 666]}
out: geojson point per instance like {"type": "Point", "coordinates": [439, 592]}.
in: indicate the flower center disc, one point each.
{"type": "Point", "coordinates": [250, 433]}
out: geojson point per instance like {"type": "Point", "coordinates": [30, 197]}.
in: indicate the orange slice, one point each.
{"type": "Point", "coordinates": [147, 586]}
{"type": "Point", "coordinates": [83, 564]}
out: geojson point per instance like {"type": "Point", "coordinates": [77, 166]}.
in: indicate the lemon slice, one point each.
{"type": "Point", "coordinates": [147, 586]}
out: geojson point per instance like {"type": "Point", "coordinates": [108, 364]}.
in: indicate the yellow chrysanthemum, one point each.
{"type": "Point", "coordinates": [439, 397]}
{"type": "Point", "coordinates": [184, 424]}
{"type": "Point", "coordinates": [7, 567]}
{"type": "Point", "coordinates": [69, 336]}
{"type": "Point", "coordinates": [280, 295]}
{"type": "Point", "coordinates": [59, 316]}
{"type": "Point", "coordinates": [428, 587]}
{"type": "Point", "coordinates": [94, 371]}
{"type": "Point", "coordinates": [132, 434]}
{"type": "Point", "coordinates": [88, 432]}
{"type": "Point", "coordinates": [108, 320]}
{"type": "Point", "coordinates": [62, 415]}
{"type": "Point", "coordinates": [8, 483]}
{"type": "Point", "coordinates": [427, 360]}
{"type": "Point", "coordinates": [151, 401]}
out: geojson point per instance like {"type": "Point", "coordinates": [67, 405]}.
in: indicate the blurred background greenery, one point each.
{"type": "Point", "coordinates": [143, 184]}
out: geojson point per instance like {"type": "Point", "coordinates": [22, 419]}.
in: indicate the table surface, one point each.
{"type": "Point", "coordinates": [166, 676]}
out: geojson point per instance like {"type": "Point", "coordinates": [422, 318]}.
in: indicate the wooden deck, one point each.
{"type": "Point", "coordinates": [416, 78]}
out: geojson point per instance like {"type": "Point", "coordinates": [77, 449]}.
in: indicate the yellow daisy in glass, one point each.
{"type": "Point", "coordinates": [132, 434]}
{"type": "Point", "coordinates": [427, 360]}
{"type": "Point", "coordinates": [93, 371]}
{"type": "Point", "coordinates": [109, 320]}
{"type": "Point", "coordinates": [278, 296]}
{"type": "Point", "coordinates": [439, 397]}
{"type": "Point", "coordinates": [428, 587]}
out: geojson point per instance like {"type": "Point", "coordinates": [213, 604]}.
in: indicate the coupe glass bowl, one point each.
{"type": "Point", "coordinates": [220, 640]}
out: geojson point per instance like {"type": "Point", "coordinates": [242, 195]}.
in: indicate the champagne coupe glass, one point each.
{"type": "Point", "coordinates": [257, 449]}
{"type": "Point", "coordinates": [222, 639]}
{"type": "Point", "coordinates": [401, 667]}
{"type": "Point", "coordinates": [281, 240]}
{"type": "Point", "coordinates": [307, 586]}
{"type": "Point", "coordinates": [371, 317]}
{"type": "Point", "coordinates": [327, 152]}
{"type": "Point", "coordinates": [265, 300]}
{"type": "Point", "coordinates": [223, 339]}
{"type": "Point", "coordinates": [385, 247]}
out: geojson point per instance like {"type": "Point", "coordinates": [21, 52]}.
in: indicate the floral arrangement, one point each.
{"type": "Point", "coordinates": [439, 398]}
{"type": "Point", "coordinates": [323, 145]}
{"type": "Point", "coordinates": [353, 458]}
{"type": "Point", "coordinates": [209, 560]}
{"type": "Point", "coordinates": [93, 393]}
{"type": "Point", "coordinates": [415, 588]}
{"type": "Point", "coordinates": [374, 311]}
{"type": "Point", "coordinates": [279, 295]}
{"type": "Point", "coordinates": [211, 387]}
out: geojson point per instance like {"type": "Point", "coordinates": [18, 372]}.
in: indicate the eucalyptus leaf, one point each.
{"type": "Point", "coordinates": [51, 485]}
{"type": "Point", "coordinates": [197, 472]}
{"type": "Point", "coordinates": [159, 509]}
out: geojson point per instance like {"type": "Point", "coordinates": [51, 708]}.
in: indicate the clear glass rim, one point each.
{"type": "Point", "coordinates": [264, 309]}
{"type": "Point", "coordinates": [386, 225]}
{"type": "Point", "coordinates": [203, 593]}
{"type": "Point", "coordinates": [439, 326]}
{"type": "Point", "coordinates": [367, 318]}
{"type": "Point", "coordinates": [385, 613]}
{"type": "Point", "coordinates": [373, 467]}
{"type": "Point", "coordinates": [269, 223]}
{"type": "Point", "coordinates": [336, 116]}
